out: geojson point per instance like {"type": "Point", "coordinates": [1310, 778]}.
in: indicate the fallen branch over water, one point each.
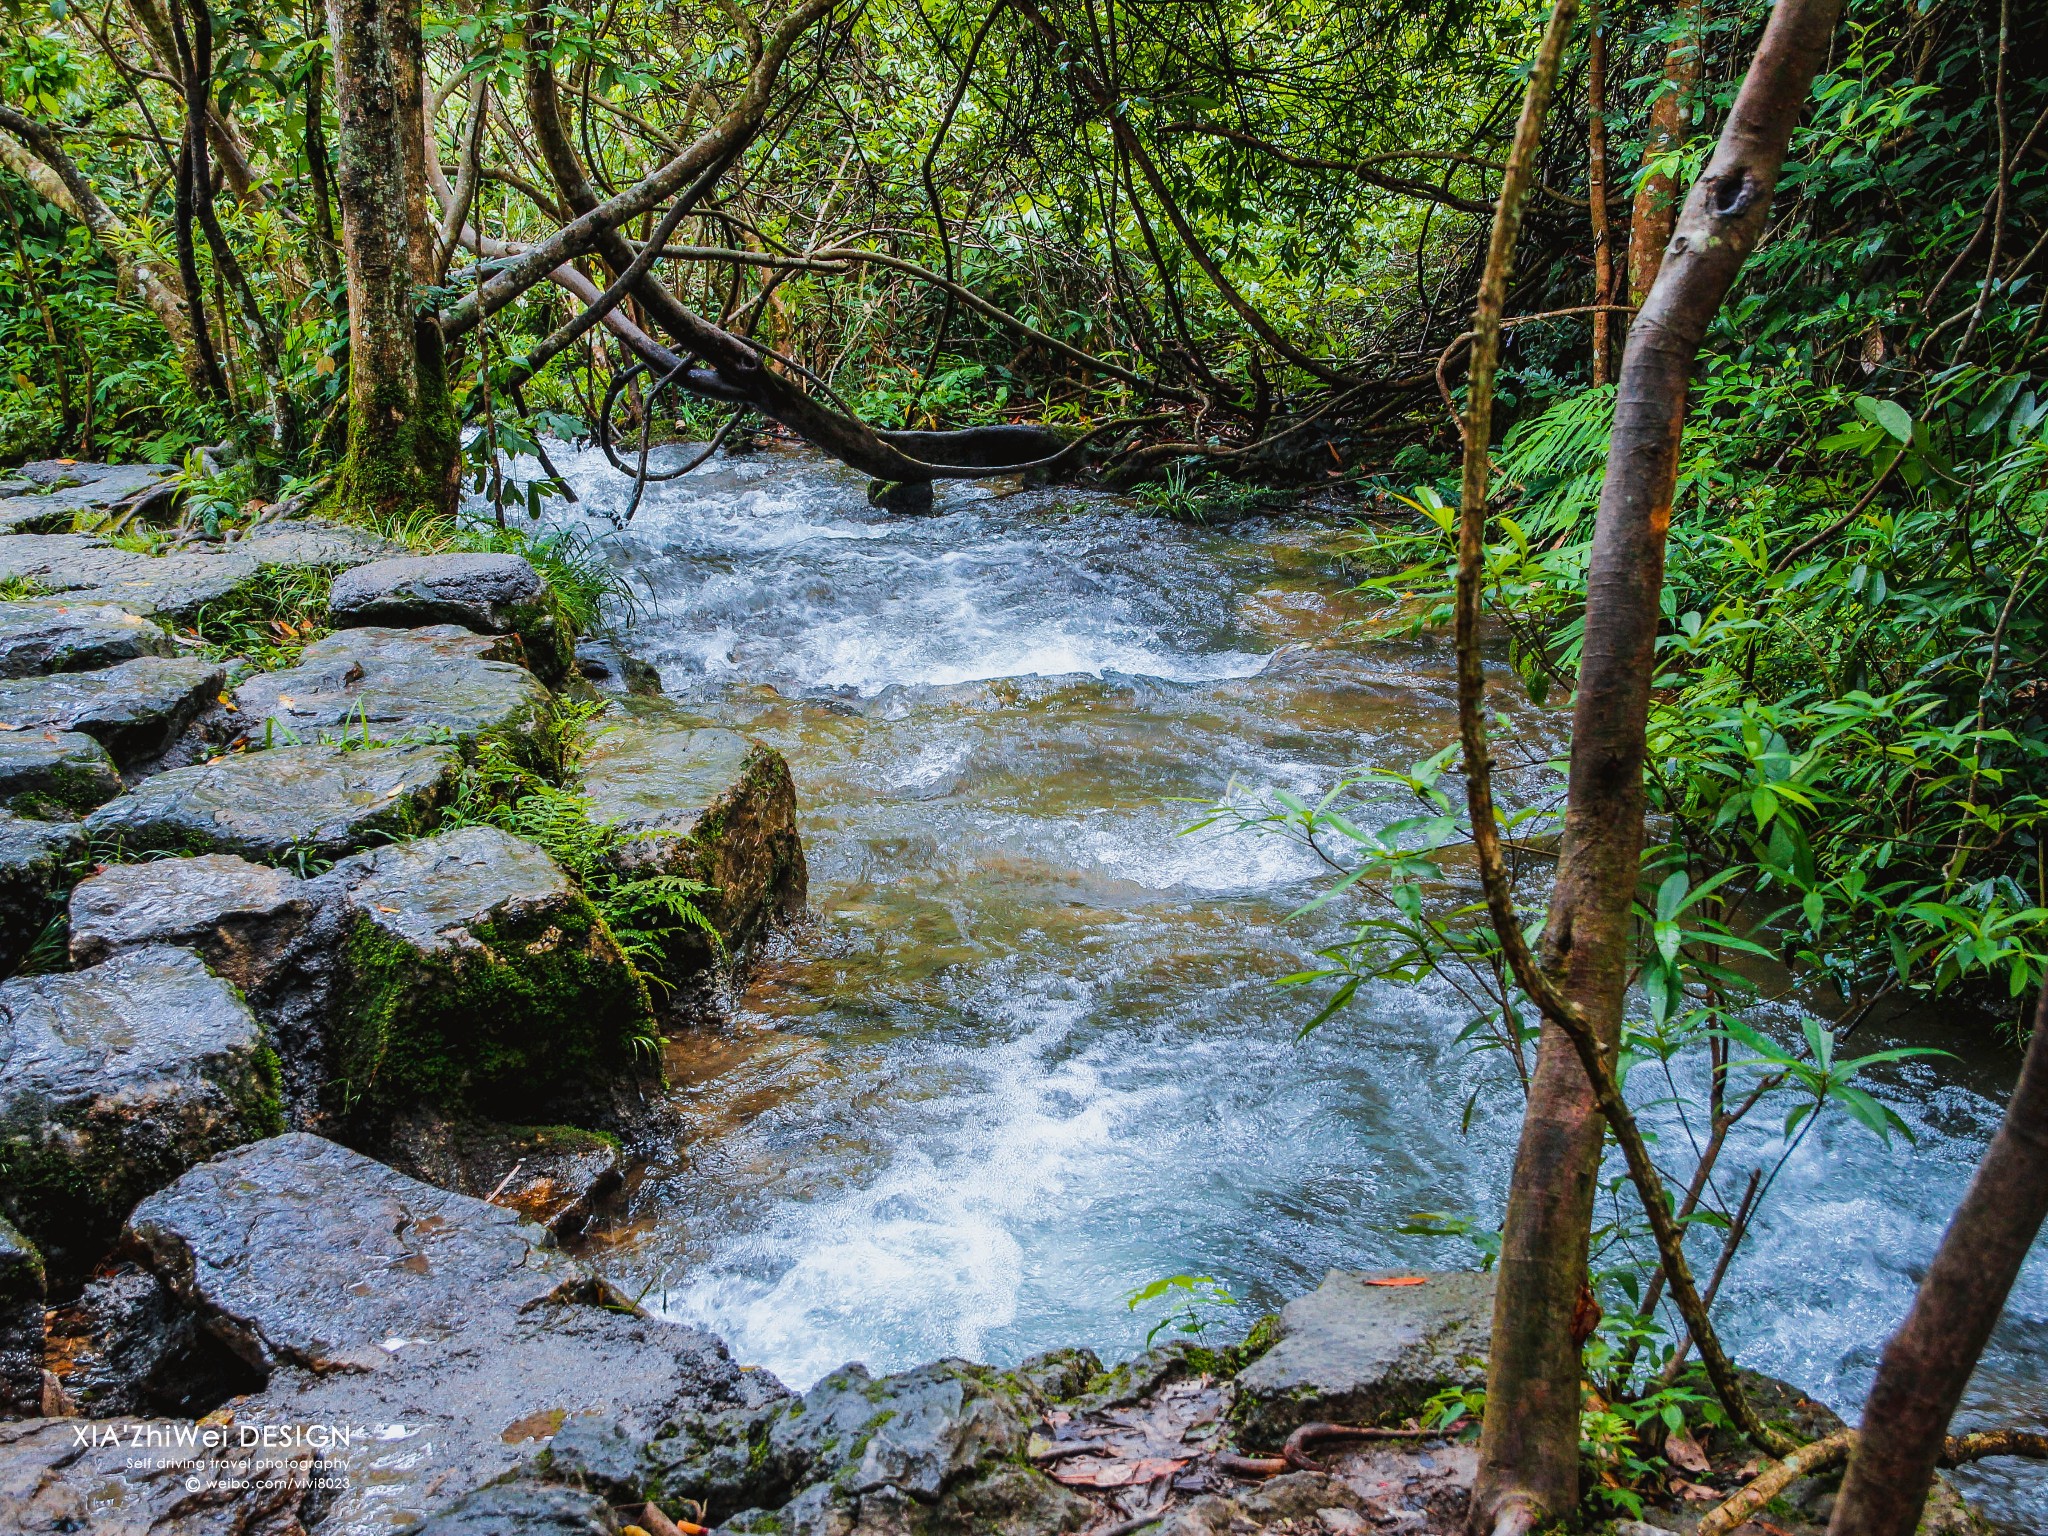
{"type": "Point", "coordinates": [1831, 1450]}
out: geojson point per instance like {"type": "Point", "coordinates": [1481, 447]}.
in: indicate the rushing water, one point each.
{"type": "Point", "coordinates": [1032, 1055]}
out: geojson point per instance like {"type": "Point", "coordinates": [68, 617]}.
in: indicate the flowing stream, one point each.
{"type": "Point", "coordinates": [1033, 1056]}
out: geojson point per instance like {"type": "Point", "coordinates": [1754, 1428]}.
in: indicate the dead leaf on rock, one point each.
{"type": "Point", "coordinates": [1119, 1474]}
{"type": "Point", "coordinates": [1681, 1450]}
{"type": "Point", "coordinates": [1401, 1280]}
{"type": "Point", "coordinates": [1694, 1491]}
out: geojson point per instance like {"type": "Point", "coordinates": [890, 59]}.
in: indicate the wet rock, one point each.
{"type": "Point", "coordinates": [61, 491]}
{"type": "Point", "coordinates": [706, 804]}
{"type": "Point", "coordinates": [380, 685]}
{"type": "Point", "coordinates": [553, 1175]}
{"type": "Point", "coordinates": [135, 710]}
{"type": "Point", "coordinates": [21, 1325]}
{"type": "Point", "coordinates": [1352, 1352]}
{"type": "Point", "coordinates": [145, 1478]}
{"type": "Point", "coordinates": [115, 1080]}
{"type": "Point", "coordinates": [36, 859]}
{"type": "Point", "coordinates": [523, 1508]}
{"type": "Point", "coordinates": [50, 635]}
{"type": "Point", "coordinates": [171, 587]}
{"type": "Point", "coordinates": [317, 801]}
{"type": "Point", "coordinates": [476, 975]}
{"type": "Point", "coordinates": [604, 663]}
{"type": "Point", "coordinates": [243, 919]}
{"type": "Point", "coordinates": [1059, 1374]}
{"type": "Point", "coordinates": [913, 496]}
{"type": "Point", "coordinates": [376, 1300]}
{"type": "Point", "coordinates": [314, 544]}
{"type": "Point", "coordinates": [126, 1347]}
{"type": "Point", "coordinates": [497, 594]}
{"type": "Point", "coordinates": [1298, 1496]}
{"type": "Point", "coordinates": [53, 772]}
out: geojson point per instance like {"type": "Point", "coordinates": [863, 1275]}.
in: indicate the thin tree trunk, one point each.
{"type": "Point", "coordinates": [403, 450]}
{"type": "Point", "coordinates": [1670, 120]}
{"type": "Point", "coordinates": [1596, 192]}
{"type": "Point", "coordinates": [1529, 1458]}
{"type": "Point", "coordinates": [317, 176]}
{"type": "Point", "coordinates": [1928, 1362]}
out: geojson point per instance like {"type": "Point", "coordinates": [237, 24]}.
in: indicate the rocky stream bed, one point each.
{"type": "Point", "coordinates": [295, 1137]}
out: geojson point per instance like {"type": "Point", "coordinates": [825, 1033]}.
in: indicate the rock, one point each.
{"type": "Point", "coordinates": [314, 543]}
{"type": "Point", "coordinates": [707, 804]}
{"type": "Point", "coordinates": [135, 710]}
{"type": "Point", "coordinates": [1354, 1353]}
{"type": "Point", "coordinates": [54, 772]}
{"type": "Point", "coordinates": [319, 802]}
{"type": "Point", "coordinates": [115, 1080]}
{"type": "Point", "coordinates": [125, 1348]}
{"type": "Point", "coordinates": [497, 594]}
{"type": "Point", "coordinates": [1059, 1374]}
{"type": "Point", "coordinates": [52, 635]}
{"type": "Point", "coordinates": [147, 1478]}
{"type": "Point", "coordinates": [1297, 1496]}
{"type": "Point", "coordinates": [173, 587]}
{"type": "Point", "coordinates": [380, 684]}
{"type": "Point", "coordinates": [553, 1175]}
{"type": "Point", "coordinates": [603, 662]}
{"type": "Point", "coordinates": [913, 496]}
{"type": "Point", "coordinates": [432, 1319]}
{"type": "Point", "coordinates": [65, 490]}
{"type": "Point", "coordinates": [476, 975]}
{"type": "Point", "coordinates": [36, 858]}
{"type": "Point", "coordinates": [21, 1325]}
{"type": "Point", "coordinates": [523, 1508]}
{"type": "Point", "coordinates": [258, 927]}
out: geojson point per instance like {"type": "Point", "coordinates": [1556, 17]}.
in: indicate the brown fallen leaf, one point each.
{"type": "Point", "coordinates": [1681, 1450]}
{"type": "Point", "coordinates": [1119, 1474]}
{"type": "Point", "coordinates": [1401, 1280]}
{"type": "Point", "coordinates": [1694, 1491]}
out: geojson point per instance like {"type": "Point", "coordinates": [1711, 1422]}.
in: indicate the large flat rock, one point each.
{"type": "Point", "coordinates": [36, 858]}
{"type": "Point", "coordinates": [173, 586]}
{"type": "Point", "coordinates": [135, 710]}
{"type": "Point", "coordinates": [708, 804]}
{"type": "Point", "coordinates": [314, 544]}
{"type": "Point", "coordinates": [443, 1325]}
{"type": "Point", "coordinates": [62, 491]}
{"type": "Point", "coordinates": [476, 976]}
{"type": "Point", "coordinates": [1353, 1352]}
{"type": "Point", "coordinates": [115, 1080]}
{"type": "Point", "coordinates": [53, 635]}
{"type": "Point", "coordinates": [44, 772]}
{"type": "Point", "coordinates": [392, 687]}
{"type": "Point", "coordinates": [498, 594]}
{"type": "Point", "coordinates": [271, 806]}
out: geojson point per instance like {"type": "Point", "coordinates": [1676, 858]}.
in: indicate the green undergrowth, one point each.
{"type": "Point", "coordinates": [269, 620]}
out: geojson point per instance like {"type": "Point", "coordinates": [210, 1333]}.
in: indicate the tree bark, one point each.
{"type": "Point", "coordinates": [1670, 120]}
{"type": "Point", "coordinates": [403, 452]}
{"type": "Point", "coordinates": [1928, 1362]}
{"type": "Point", "coordinates": [1596, 192]}
{"type": "Point", "coordinates": [1529, 1465]}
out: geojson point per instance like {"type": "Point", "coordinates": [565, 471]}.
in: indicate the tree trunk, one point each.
{"type": "Point", "coordinates": [1670, 121]}
{"type": "Point", "coordinates": [1928, 1362]}
{"type": "Point", "coordinates": [1529, 1457]}
{"type": "Point", "coordinates": [1596, 192]}
{"type": "Point", "coordinates": [403, 451]}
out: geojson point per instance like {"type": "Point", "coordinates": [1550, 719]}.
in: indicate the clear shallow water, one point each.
{"type": "Point", "coordinates": [1032, 1056]}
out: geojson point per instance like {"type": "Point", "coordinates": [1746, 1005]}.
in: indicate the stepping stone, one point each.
{"type": "Point", "coordinates": [396, 685]}
{"type": "Point", "coordinates": [21, 1325]}
{"type": "Point", "coordinates": [704, 803]}
{"type": "Point", "coordinates": [476, 975]}
{"type": "Point", "coordinates": [1356, 1352]}
{"type": "Point", "coordinates": [52, 772]}
{"type": "Point", "coordinates": [172, 587]}
{"type": "Point", "coordinates": [372, 1299]}
{"type": "Point", "coordinates": [176, 1485]}
{"type": "Point", "coordinates": [52, 635]}
{"type": "Point", "coordinates": [115, 1080]}
{"type": "Point", "coordinates": [134, 710]}
{"type": "Point", "coordinates": [313, 802]}
{"type": "Point", "coordinates": [36, 858]}
{"type": "Point", "coordinates": [242, 919]}
{"type": "Point", "coordinates": [315, 544]}
{"type": "Point", "coordinates": [497, 594]}
{"type": "Point", "coordinates": [62, 491]}
{"type": "Point", "coordinates": [523, 1508]}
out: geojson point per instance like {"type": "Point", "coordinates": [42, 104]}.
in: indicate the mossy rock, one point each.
{"type": "Point", "coordinates": [476, 976]}
{"type": "Point", "coordinates": [55, 773]}
{"type": "Point", "coordinates": [492, 594]}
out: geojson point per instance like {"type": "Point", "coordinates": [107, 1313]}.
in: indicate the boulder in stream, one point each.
{"type": "Point", "coordinates": [475, 975]}
{"type": "Point", "coordinates": [51, 635]}
{"type": "Point", "coordinates": [496, 594]}
{"type": "Point", "coordinates": [388, 685]}
{"type": "Point", "coordinates": [36, 862]}
{"type": "Point", "coordinates": [115, 1080]}
{"type": "Point", "coordinates": [320, 801]}
{"type": "Point", "coordinates": [445, 1327]}
{"type": "Point", "coordinates": [53, 772]}
{"type": "Point", "coordinates": [135, 709]}
{"type": "Point", "coordinates": [1358, 1350]}
{"type": "Point", "coordinates": [706, 804]}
